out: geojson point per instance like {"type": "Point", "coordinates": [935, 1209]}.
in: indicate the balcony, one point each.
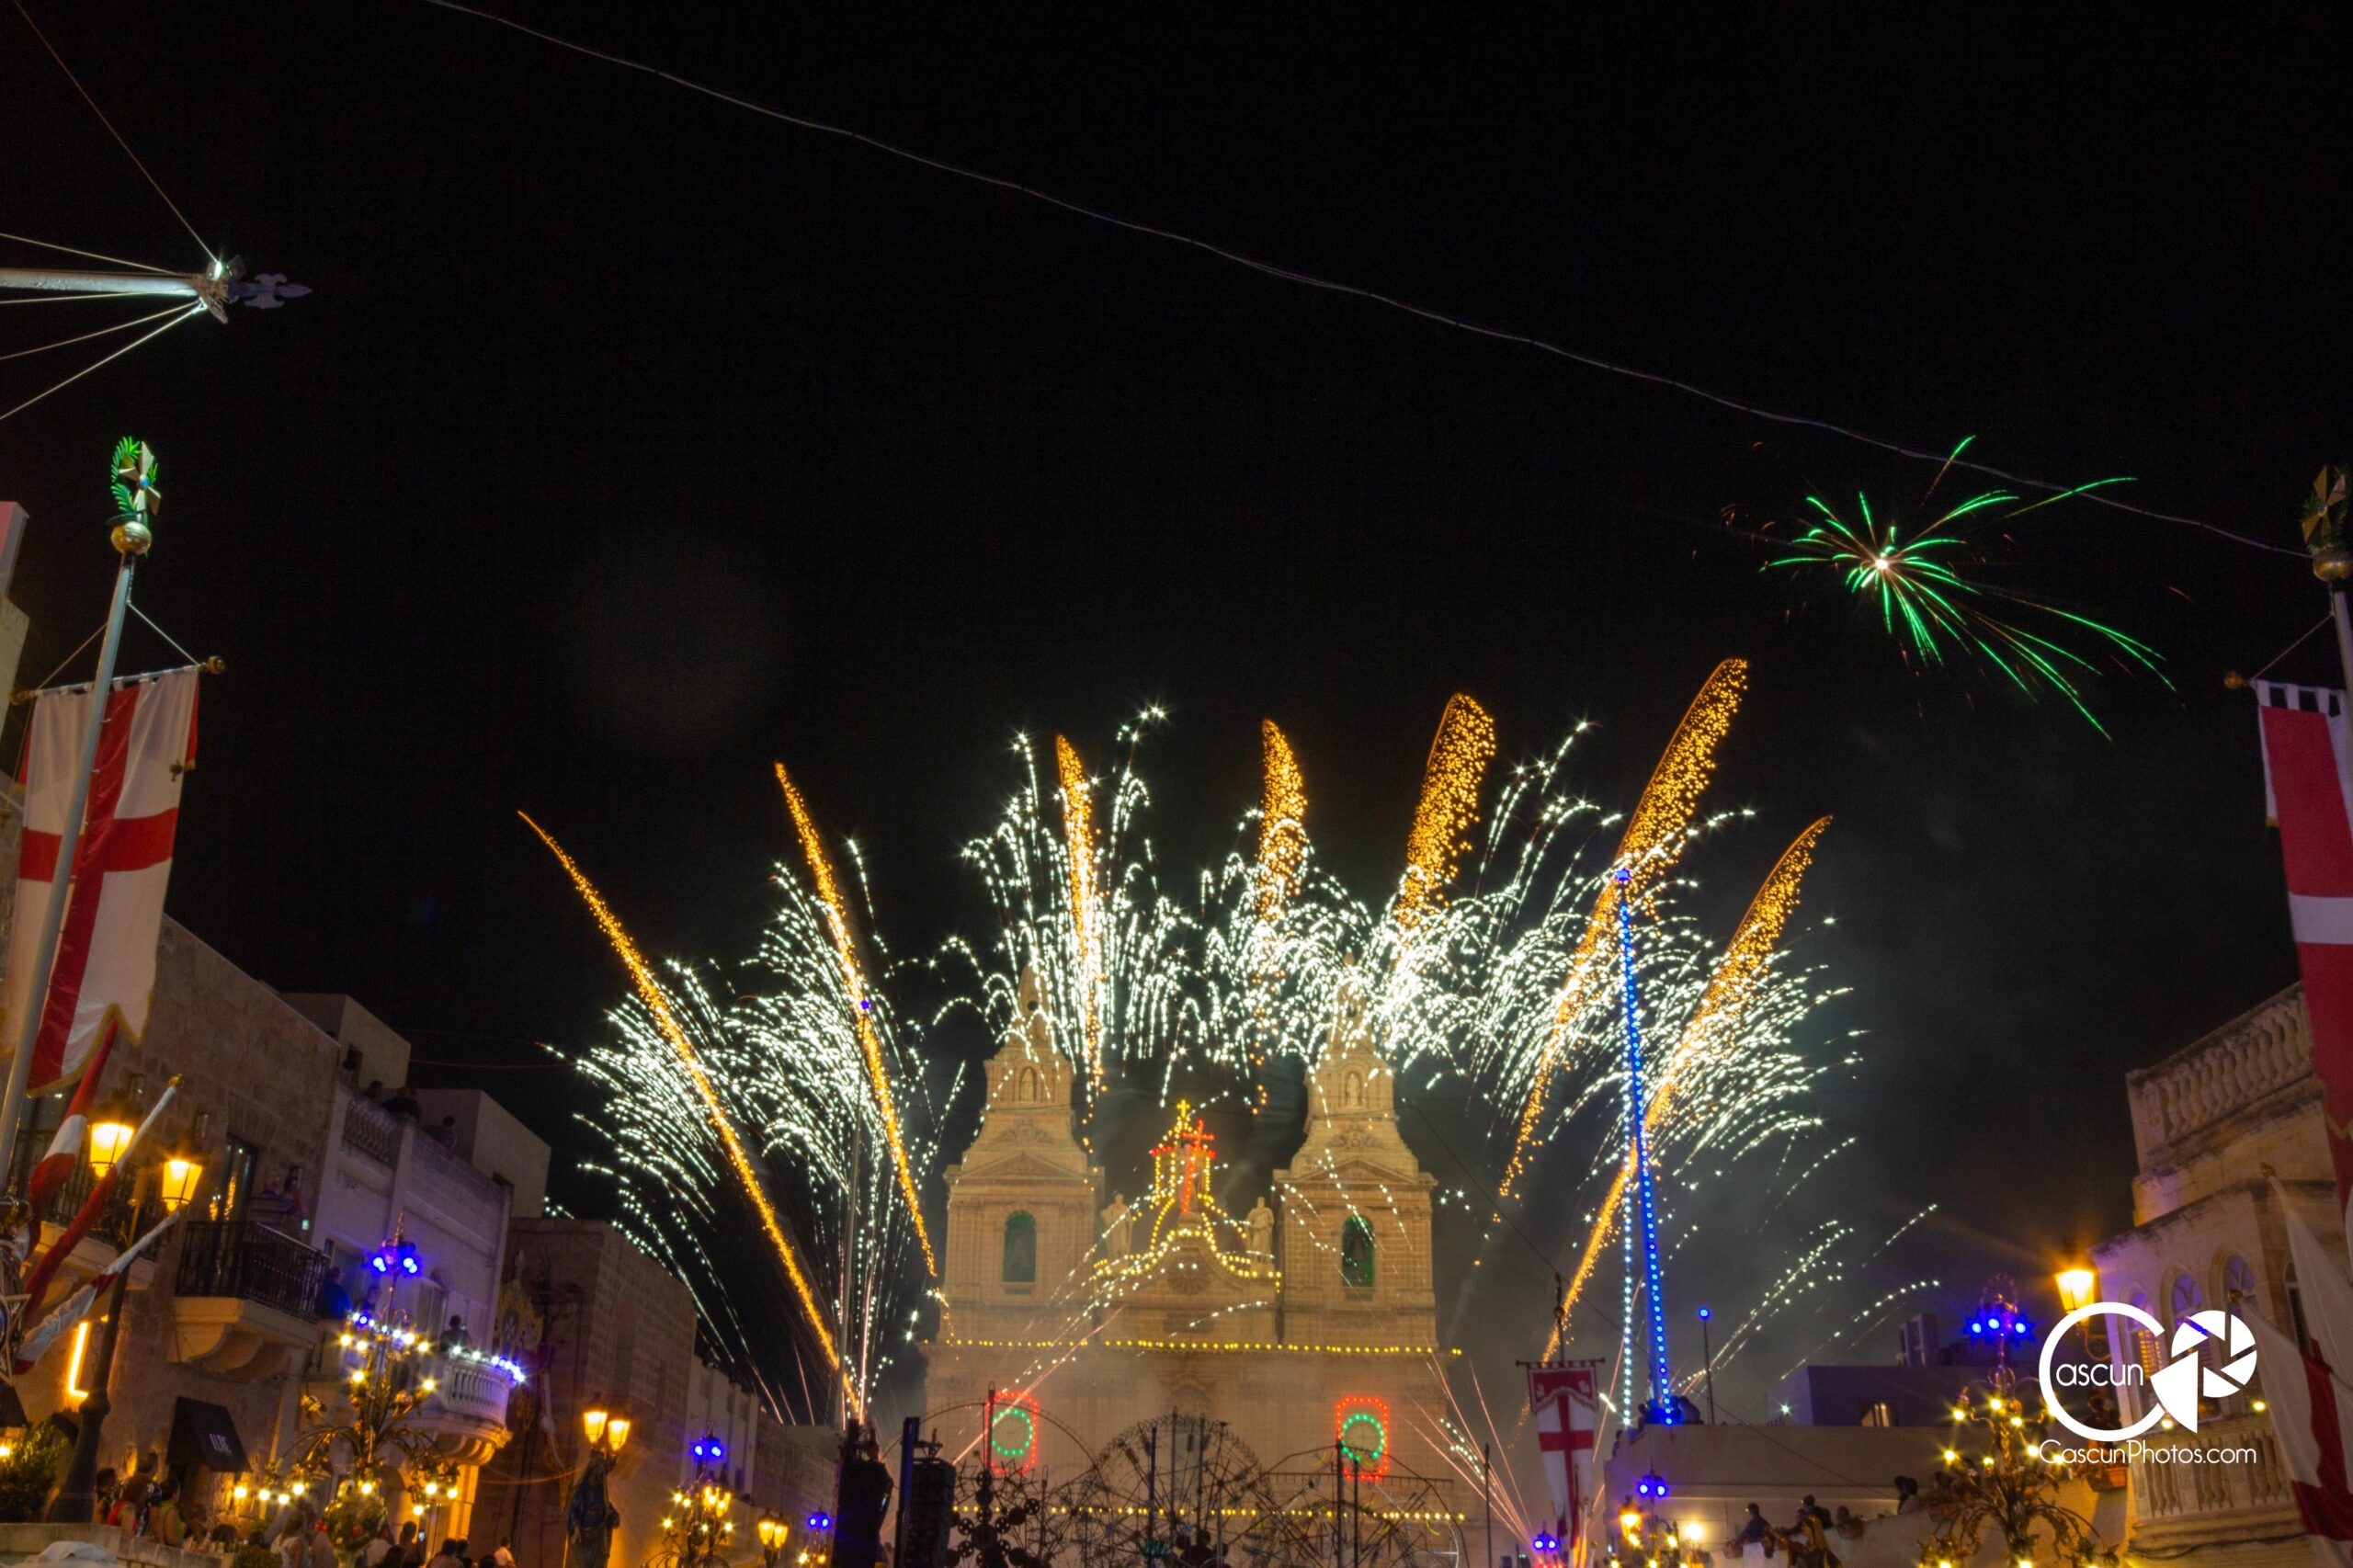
{"type": "Point", "coordinates": [118, 1223]}
{"type": "Point", "coordinates": [245, 1298]}
{"type": "Point", "coordinates": [467, 1414]}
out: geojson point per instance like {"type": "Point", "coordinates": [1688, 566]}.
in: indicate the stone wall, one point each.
{"type": "Point", "coordinates": [257, 1071]}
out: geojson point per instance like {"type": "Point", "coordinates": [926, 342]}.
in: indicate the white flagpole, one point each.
{"type": "Point", "coordinates": [132, 537]}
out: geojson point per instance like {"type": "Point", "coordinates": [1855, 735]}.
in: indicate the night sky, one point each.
{"type": "Point", "coordinates": [630, 441]}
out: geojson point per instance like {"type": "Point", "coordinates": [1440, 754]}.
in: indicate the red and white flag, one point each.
{"type": "Point", "coordinates": [2312, 1409]}
{"type": "Point", "coordinates": [2308, 790]}
{"type": "Point", "coordinates": [1562, 1399]}
{"type": "Point", "coordinates": [76, 1307]}
{"type": "Point", "coordinates": [12, 534]}
{"type": "Point", "coordinates": [104, 977]}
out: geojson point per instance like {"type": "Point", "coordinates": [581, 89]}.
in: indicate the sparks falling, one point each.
{"type": "Point", "coordinates": [1086, 937]}
{"type": "Point", "coordinates": [1654, 840]}
{"type": "Point", "coordinates": [1454, 974]}
{"type": "Point", "coordinates": [1460, 752]}
{"type": "Point", "coordinates": [657, 1005]}
{"type": "Point", "coordinates": [861, 1004]}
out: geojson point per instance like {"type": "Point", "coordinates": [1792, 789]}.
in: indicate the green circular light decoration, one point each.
{"type": "Point", "coordinates": [1380, 1438]}
{"type": "Point", "coordinates": [1029, 1433]}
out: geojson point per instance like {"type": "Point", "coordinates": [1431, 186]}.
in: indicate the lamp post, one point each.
{"type": "Point", "coordinates": [773, 1533]}
{"type": "Point", "coordinates": [588, 1513]}
{"type": "Point", "coordinates": [1708, 1357]}
{"type": "Point", "coordinates": [701, 1522]}
{"type": "Point", "coordinates": [177, 1178]}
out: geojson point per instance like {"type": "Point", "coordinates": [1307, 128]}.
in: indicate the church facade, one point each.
{"type": "Point", "coordinates": [1307, 1322]}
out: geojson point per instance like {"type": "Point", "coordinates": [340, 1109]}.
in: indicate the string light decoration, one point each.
{"type": "Point", "coordinates": [1184, 1211]}
{"type": "Point", "coordinates": [366, 1428]}
{"type": "Point", "coordinates": [1653, 842]}
{"type": "Point", "coordinates": [1360, 1425]}
{"type": "Point", "coordinates": [2001, 1484]}
{"type": "Point", "coordinates": [1460, 752]}
{"type": "Point", "coordinates": [1653, 1285]}
{"type": "Point", "coordinates": [1227, 1346]}
{"type": "Point", "coordinates": [657, 1005]}
{"type": "Point", "coordinates": [1012, 1434]}
{"type": "Point", "coordinates": [700, 1529]}
{"type": "Point", "coordinates": [1712, 1036]}
{"type": "Point", "coordinates": [829, 896]}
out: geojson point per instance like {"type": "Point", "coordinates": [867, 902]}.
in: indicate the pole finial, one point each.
{"type": "Point", "coordinates": [136, 498]}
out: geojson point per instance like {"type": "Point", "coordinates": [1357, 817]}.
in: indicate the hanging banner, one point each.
{"type": "Point", "coordinates": [104, 976]}
{"type": "Point", "coordinates": [1564, 1401]}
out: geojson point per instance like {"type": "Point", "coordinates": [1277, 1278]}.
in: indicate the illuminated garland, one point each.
{"type": "Point", "coordinates": [1248, 1347]}
{"type": "Point", "coordinates": [1015, 1458]}
{"type": "Point", "coordinates": [1350, 1418]}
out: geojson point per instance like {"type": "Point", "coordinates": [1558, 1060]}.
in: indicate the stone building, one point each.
{"type": "Point", "coordinates": [385, 1175]}
{"type": "Point", "coordinates": [1303, 1320]}
{"type": "Point", "coordinates": [610, 1327]}
{"type": "Point", "coordinates": [2209, 1230]}
{"type": "Point", "coordinates": [217, 1326]}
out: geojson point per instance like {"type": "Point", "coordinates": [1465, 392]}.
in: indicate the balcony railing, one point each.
{"type": "Point", "coordinates": [117, 1223]}
{"type": "Point", "coordinates": [251, 1263]}
{"type": "Point", "coordinates": [368, 1128]}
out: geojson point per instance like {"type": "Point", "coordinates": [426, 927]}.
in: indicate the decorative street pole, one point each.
{"type": "Point", "coordinates": [1662, 1388]}
{"type": "Point", "coordinates": [136, 502]}
{"type": "Point", "coordinates": [77, 1493]}
{"type": "Point", "coordinates": [1708, 1359]}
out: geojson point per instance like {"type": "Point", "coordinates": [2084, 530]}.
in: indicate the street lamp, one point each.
{"type": "Point", "coordinates": [607, 1430]}
{"type": "Point", "coordinates": [773, 1531]}
{"type": "Point", "coordinates": [110, 1133]}
{"type": "Point", "coordinates": [75, 1500]}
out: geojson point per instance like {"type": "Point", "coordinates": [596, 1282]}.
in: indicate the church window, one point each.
{"type": "Point", "coordinates": [2238, 1284]}
{"type": "Point", "coordinates": [2185, 1298]}
{"type": "Point", "coordinates": [1356, 1253]}
{"type": "Point", "coordinates": [1020, 1250]}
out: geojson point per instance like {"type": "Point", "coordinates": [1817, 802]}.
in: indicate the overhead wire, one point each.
{"type": "Point", "coordinates": [85, 255]}
{"type": "Point", "coordinates": [195, 308]}
{"type": "Point", "coordinates": [1329, 285]}
{"type": "Point", "coordinates": [101, 332]}
{"type": "Point", "coordinates": [145, 173]}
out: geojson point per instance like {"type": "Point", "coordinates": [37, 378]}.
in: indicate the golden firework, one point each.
{"type": "Point", "coordinates": [862, 1001]}
{"type": "Point", "coordinates": [1714, 1025]}
{"type": "Point", "coordinates": [1078, 832]}
{"type": "Point", "coordinates": [1460, 752]}
{"type": "Point", "coordinates": [649, 992]}
{"type": "Point", "coordinates": [1282, 826]}
{"type": "Point", "coordinates": [1653, 841]}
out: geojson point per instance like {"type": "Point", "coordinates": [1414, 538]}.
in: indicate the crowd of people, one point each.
{"type": "Point", "coordinates": [150, 1508]}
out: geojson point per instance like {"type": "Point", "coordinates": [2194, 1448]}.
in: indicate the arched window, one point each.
{"type": "Point", "coordinates": [2238, 1285]}
{"type": "Point", "coordinates": [1025, 1088]}
{"type": "Point", "coordinates": [1020, 1250]}
{"type": "Point", "coordinates": [2185, 1298]}
{"type": "Point", "coordinates": [1356, 1253]}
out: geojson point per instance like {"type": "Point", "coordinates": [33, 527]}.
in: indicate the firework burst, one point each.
{"type": "Point", "coordinates": [1923, 579]}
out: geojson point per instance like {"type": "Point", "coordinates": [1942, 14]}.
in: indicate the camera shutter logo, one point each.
{"type": "Point", "coordinates": [2178, 1385]}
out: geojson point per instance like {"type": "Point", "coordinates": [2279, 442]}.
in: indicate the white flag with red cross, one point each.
{"type": "Point", "coordinates": [104, 976]}
{"type": "Point", "coordinates": [1566, 1409]}
{"type": "Point", "coordinates": [2312, 1409]}
{"type": "Point", "coordinates": [2308, 789]}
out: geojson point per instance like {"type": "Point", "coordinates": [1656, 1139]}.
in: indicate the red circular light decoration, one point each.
{"type": "Point", "coordinates": [1360, 1425]}
{"type": "Point", "coordinates": [1013, 1435]}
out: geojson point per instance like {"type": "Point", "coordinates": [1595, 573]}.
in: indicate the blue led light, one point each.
{"type": "Point", "coordinates": [821, 1520]}
{"type": "Point", "coordinates": [1662, 1386]}
{"type": "Point", "coordinates": [1705, 1314]}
